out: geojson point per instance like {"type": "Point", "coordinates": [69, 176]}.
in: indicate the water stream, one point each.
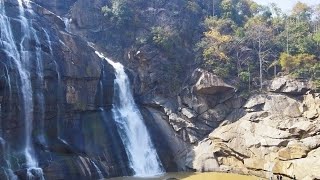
{"type": "Point", "coordinates": [21, 60]}
{"type": "Point", "coordinates": [141, 153]}
{"type": "Point", "coordinates": [97, 170]}
{"type": "Point", "coordinates": [59, 83]}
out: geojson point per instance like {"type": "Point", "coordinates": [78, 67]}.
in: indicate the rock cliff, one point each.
{"type": "Point", "coordinates": [197, 120]}
{"type": "Point", "coordinates": [277, 134]}
{"type": "Point", "coordinates": [74, 135]}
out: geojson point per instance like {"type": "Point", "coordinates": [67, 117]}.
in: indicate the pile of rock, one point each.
{"type": "Point", "coordinates": [279, 134]}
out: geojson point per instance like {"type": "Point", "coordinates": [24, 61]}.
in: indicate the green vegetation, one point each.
{"type": "Point", "coordinates": [245, 40]}
{"type": "Point", "coordinates": [239, 40]}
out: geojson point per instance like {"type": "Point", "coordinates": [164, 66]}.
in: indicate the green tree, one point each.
{"type": "Point", "coordinates": [215, 45]}
{"type": "Point", "coordinates": [302, 11]}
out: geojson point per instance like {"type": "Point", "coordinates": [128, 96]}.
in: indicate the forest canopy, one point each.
{"type": "Point", "coordinates": [254, 42]}
{"type": "Point", "coordinates": [238, 40]}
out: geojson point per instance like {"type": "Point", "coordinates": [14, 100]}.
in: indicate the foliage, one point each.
{"type": "Point", "coordinates": [163, 37]}
{"type": "Point", "coordinates": [302, 10]}
{"type": "Point", "coordinates": [300, 61]}
{"type": "Point", "coordinates": [244, 76]}
{"type": "Point", "coordinates": [316, 37]}
{"type": "Point", "coordinates": [236, 39]}
{"type": "Point", "coordinates": [119, 13]}
{"type": "Point", "coordinates": [250, 43]}
{"type": "Point", "coordinates": [215, 46]}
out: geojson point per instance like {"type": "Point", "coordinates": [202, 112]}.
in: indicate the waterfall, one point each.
{"type": "Point", "coordinates": [100, 175]}
{"type": "Point", "coordinates": [141, 153]}
{"type": "Point", "coordinates": [59, 82]}
{"type": "Point", "coordinates": [21, 60]}
{"type": "Point", "coordinates": [40, 85]}
{"type": "Point", "coordinates": [67, 22]}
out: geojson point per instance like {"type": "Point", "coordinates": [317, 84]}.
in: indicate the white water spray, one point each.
{"type": "Point", "coordinates": [67, 22]}
{"type": "Point", "coordinates": [142, 155]}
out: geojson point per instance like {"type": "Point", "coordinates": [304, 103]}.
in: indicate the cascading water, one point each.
{"type": "Point", "coordinates": [59, 93]}
{"type": "Point", "coordinates": [11, 50]}
{"type": "Point", "coordinates": [97, 170]}
{"type": "Point", "coordinates": [67, 22]}
{"type": "Point", "coordinates": [40, 86]}
{"type": "Point", "coordinates": [141, 153]}
{"type": "Point", "coordinates": [21, 60]}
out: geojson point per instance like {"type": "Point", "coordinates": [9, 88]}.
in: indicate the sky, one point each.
{"type": "Point", "coordinates": [286, 5]}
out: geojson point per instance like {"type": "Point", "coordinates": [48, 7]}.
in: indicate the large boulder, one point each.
{"type": "Point", "coordinates": [311, 106]}
{"type": "Point", "coordinates": [204, 158]}
{"type": "Point", "coordinates": [289, 85]}
{"type": "Point", "coordinates": [208, 83]}
{"type": "Point", "coordinates": [274, 104]}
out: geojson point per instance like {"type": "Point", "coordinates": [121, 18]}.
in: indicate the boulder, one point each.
{"type": "Point", "coordinates": [293, 151]}
{"type": "Point", "coordinates": [300, 168]}
{"type": "Point", "coordinates": [311, 106]}
{"type": "Point", "coordinates": [255, 103]}
{"type": "Point", "coordinates": [281, 104]}
{"type": "Point", "coordinates": [288, 85]}
{"type": "Point", "coordinates": [208, 83]}
{"type": "Point", "coordinates": [201, 158]}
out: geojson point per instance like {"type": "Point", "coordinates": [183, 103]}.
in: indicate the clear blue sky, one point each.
{"type": "Point", "coordinates": [286, 5]}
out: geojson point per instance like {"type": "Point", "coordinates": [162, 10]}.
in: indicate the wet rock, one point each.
{"type": "Point", "coordinates": [188, 113]}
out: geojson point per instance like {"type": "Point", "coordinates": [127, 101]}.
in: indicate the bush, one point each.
{"type": "Point", "coordinates": [298, 62]}
{"type": "Point", "coordinates": [121, 13]}
{"type": "Point", "coordinates": [244, 76]}
{"type": "Point", "coordinates": [164, 37]}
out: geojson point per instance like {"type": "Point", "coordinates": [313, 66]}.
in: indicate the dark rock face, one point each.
{"type": "Point", "coordinates": [78, 134]}
{"type": "Point", "coordinates": [57, 6]}
{"type": "Point", "coordinates": [77, 137]}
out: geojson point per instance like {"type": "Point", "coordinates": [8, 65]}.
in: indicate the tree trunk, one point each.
{"type": "Point", "coordinates": [287, 37]}
{"type": "Point", "coordinates": [260, 62]}
{"type": "Point", "coordinates": [249, 77]}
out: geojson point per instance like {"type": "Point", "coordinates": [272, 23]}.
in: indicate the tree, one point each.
{"type": "Point", "coordinates": [302, 11]}
{"type": "Point", "coordinates": [260, 35]}
{"type": "Point", "coordinates": [215, 45]}
{"type": "Point", "coordinates": [298, 64]}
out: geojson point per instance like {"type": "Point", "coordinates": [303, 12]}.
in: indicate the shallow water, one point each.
{"type": "Point", "coordinates": [192, 176]}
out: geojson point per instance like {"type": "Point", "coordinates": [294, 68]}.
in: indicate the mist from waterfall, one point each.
{"type": "Point", "coordinates": [141, 153]}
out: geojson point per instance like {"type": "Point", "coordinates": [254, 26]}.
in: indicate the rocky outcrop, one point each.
{"type": "Point", "coordinates": [193, 115]}
{"type": "Point", "coordinates": [278, 135]}
{"type": "Point", "coordinates": [208, 83]}
{"type": "Point", "coordinates": [289, 85]}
